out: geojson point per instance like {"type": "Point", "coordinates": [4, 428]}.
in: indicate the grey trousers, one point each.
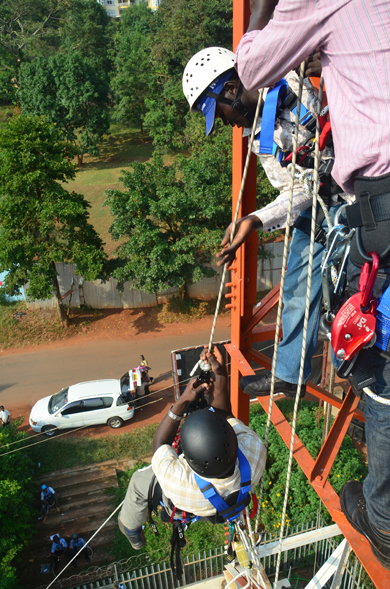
{"type": "Point", "coordinates": [134, 512]}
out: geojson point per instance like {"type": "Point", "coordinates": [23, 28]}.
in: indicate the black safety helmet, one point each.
{"type": "Point", "coordinates": [209, 444]}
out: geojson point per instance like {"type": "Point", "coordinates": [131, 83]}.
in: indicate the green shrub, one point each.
{"type": "Point", "coordinates": [16, 503]}
{"type": "Point", "coordinates": [303, 500]}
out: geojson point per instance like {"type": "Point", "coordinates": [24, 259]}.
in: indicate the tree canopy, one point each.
{"type": "Point", "coordinates": [172, 217]}
{"type": "Point", "coordinates": [23, 23]}
{"type": "Point", "coordinates": [150, 51]}
{"type": "Point", "coordinates": [42, 223]}
{"type": "Point", "coordinates": [133, 79]}
{"type": "Point", "coordinates": [68, 90]}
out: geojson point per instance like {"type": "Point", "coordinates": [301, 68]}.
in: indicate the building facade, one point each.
{"type": "Point", "coordinates": [115, 8]}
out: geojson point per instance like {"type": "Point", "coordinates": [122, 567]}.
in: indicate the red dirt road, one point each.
{"type": "Point", "coordinates": [29, 374]}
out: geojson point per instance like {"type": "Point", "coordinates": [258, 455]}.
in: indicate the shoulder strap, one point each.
{"type": "Point", "coordinates": [228, 512]}
{"type": "Point", "coordinates": [270, 114]}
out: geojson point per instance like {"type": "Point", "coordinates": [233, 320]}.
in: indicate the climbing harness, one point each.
{"type": "Point", "coordinates": [278, 99]}
{"type": "Point", "coordinates": [223, 509]}
{"type": "Point", "coordinates": [227, 510]}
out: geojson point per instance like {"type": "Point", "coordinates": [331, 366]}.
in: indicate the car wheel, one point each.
{"type": "Point", "coordinates": [49, 430]}
{"type": "Point", "coordinates": [115, 422]}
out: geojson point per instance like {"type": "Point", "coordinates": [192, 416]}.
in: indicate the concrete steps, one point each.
{"type": "Point", "coordinates": [84, 505]}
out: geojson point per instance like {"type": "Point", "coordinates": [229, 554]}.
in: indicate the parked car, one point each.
{"type": "Point", "coordinates": [87, 403]}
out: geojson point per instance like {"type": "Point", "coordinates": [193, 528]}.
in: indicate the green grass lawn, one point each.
{"type": "Point", "coordinates": [117, 152]}
{"type": "Point", "coordinates": [75, 451]}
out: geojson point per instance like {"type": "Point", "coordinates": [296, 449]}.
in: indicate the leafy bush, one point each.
{"type": "Point", "coordinates": [303, 500]}
{"type": "Point", "coordinates": [16, 500]}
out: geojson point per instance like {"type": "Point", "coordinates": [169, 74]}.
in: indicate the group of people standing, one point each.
{"type": "Point", "coordinates": [60, 546]}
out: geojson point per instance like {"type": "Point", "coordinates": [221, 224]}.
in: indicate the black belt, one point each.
{"type": "Point", "coordinates": [369, 211]}
{"type": "Point", "coordinates": [370, 215]}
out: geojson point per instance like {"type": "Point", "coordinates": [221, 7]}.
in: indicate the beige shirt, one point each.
{"type": "Point", "coordinates": [178, 482]}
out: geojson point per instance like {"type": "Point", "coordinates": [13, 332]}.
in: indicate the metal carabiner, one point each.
{"type": "Point", "coordinates": [367, 279]}
{"type": "Point", "coordinates": [337, 216]}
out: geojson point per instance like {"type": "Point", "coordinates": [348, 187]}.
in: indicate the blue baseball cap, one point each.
{"type": "Point", "coordinates": [207, 105]}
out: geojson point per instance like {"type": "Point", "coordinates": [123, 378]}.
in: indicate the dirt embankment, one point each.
{"type": "Point", "coordinates": [26, 329]}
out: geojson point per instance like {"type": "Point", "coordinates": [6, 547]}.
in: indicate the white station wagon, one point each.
{"type": "Point", "coordinates": [87, 403]}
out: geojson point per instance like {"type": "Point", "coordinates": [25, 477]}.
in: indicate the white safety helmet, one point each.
{"type": "Point", "coordinates": [202, 69]}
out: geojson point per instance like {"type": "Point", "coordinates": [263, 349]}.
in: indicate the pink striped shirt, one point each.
{"type": "Point", "coordinates": [354, 38]}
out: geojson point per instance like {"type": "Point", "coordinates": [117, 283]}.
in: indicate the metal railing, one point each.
{"type": "Point", "coordinates": [150, 571]}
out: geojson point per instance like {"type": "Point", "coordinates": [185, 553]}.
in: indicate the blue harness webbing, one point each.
{"type": "Point", "coordinates": [268, 118]}
{"type": "Point", "coordinates": [228, 512]}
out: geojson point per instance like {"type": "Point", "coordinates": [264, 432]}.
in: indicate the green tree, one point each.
{"type": "Point", "coordinates": [183, 28]}
{"type": "Point", "coordinates": [85, 25]}
{"type": "Point", "coordinates": [70, 92]}
{"type": "Point", "coordinates": [133, 79]}
{"type": "Point", "coordinates": [172, 217]}
{"type": "Point", "coordinates": [23, 23]}
{"type": "Point", "coordinates": [16, 498]}
{"type": "Point", "coordinates": [41, 222]}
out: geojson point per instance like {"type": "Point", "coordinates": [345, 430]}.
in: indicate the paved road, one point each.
{"type": "Point", "coordinates": [29, 376]}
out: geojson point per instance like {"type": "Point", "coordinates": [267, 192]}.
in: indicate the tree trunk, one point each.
{"type": "Point", "coordinates": [142, 128]}
{"type": "Point", "coordinates": [79, 159]}
{"type": "Point", "coordinates": [60, 307]}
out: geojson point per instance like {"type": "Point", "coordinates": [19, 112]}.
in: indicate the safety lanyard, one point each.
{"type": "Point", "coordinates": [228, 512]}
{"type": "Point", "coordinates": [268, 119]}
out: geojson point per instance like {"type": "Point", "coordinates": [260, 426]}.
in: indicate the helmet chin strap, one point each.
{"type": "Point", "coordinates": [236, 103]}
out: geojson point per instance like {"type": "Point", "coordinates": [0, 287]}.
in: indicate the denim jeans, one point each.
{"type": "Point", "coordinates": [294, 301]}
{"type": "Point", "coordinates": [376, 487]}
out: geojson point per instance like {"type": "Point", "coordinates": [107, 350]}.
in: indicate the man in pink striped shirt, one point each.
{"type": "Point", "coordinates": [354, 40]}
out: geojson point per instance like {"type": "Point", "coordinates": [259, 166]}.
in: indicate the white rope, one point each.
{"type": "Point", "coordinates": [376, 397]}
{"type": "Point", "coordinates": [284, 262]}
{"type": "Point", "coordinates": [305, 178]}
{"type": "Point", "coordinates": [87, 543]}
{"type": "Point", "coordinates": [244, 175]}
{"type": "Point", "coordinates": [304, 335]}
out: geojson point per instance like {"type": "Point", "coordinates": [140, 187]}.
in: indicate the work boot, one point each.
{"type": "Point", "coordinates": [260, 386]}
{"type": "Point", "coordinates": [353, 505]}
{"type": "Point", "coordinates": [136, 538]}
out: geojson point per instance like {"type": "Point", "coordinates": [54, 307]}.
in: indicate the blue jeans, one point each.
{"type": "Point", "coordinates": [294, 301]}
{"type": "Point", "coordinates": [376, 487]}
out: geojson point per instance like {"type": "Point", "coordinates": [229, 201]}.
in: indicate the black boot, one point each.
{"type": "Point", "coordinates": [260, 386]}
{"type": "Point", "coordinates": [353, 505]}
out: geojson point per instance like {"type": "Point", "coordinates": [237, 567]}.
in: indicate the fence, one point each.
{"type": "Point", "coordinates": [145, 572]}
{"type": "Point", "coordinates": [105, 295]}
